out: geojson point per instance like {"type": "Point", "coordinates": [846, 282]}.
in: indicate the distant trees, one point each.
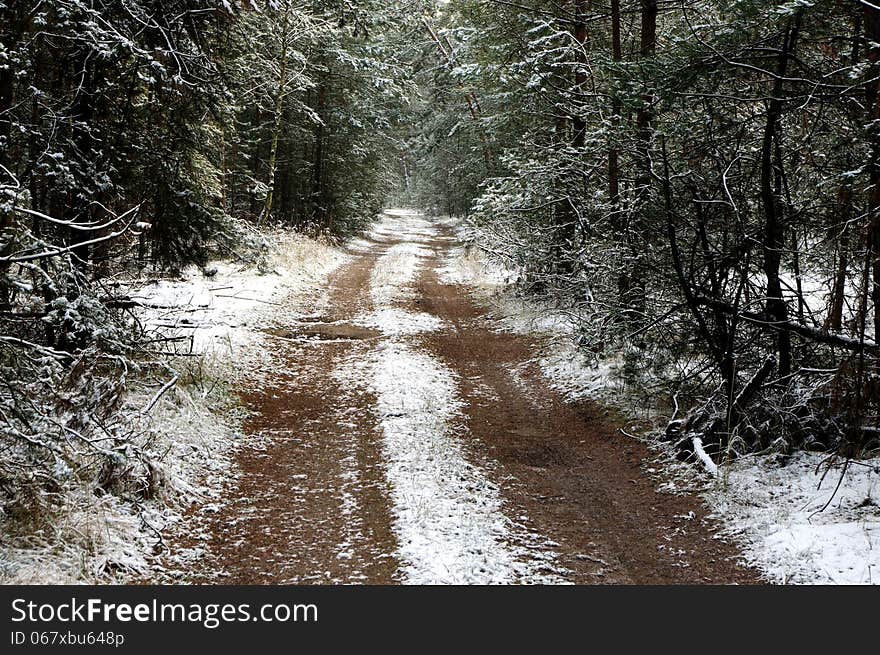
{"type": "Point", "coordinates": [719, 162]}
{"type": "Point", "coordinates": [318, 89]}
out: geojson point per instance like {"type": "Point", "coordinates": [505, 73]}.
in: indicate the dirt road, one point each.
{"type": "Point", "coordinates": [403, 439]}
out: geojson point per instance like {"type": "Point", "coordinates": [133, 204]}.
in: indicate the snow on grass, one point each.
{"type": "Point", "coordinates": [774, 509]}
{"type": "Point", "coordinates": [97, 537]}
{"type": "Point", "coordinates": [575, 376]}
{"type": "Point", "coordinates": [90, 539]}
{"type": "Point", "coordinates": [223, 313]}
{"type": "Point", "coordinates": [448, 516]}
{"type": "Point", "coordinates": [466, 266]}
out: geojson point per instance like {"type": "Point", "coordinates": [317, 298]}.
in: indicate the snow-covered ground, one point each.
{"type": "Point", "coordinates": [222, 314]}
{"type": "Point", "coordinates": [775, 511]}
{"type": "Point", "coordinates": [775, 508]}
{"type": "Point", "coordinates": [449, 518]}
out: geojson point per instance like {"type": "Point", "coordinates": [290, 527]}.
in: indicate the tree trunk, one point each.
{"type": "Point", "coordinates": [616, 110]}
{"type": "Point", "coordinates": [834, 323]}
{"type": "Point", "coordinates": [771, 199]}
{"type": "Point", "coordinates": [277, 115]}
{"type": "Point", "coordinates": [580, 75]}
{"type": "Point", "coordinates": [645, 116]}
{"type": "Point", "coordinates": [842, 215]}
{"type": "Point", "coordinates": [872, 34]}
{"type": "Point", "coordinates": [319, 211]}
{"type": "Point", "coordinates": [631, 284]}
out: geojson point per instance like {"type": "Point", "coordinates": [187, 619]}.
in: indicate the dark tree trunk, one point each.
{"type": "Point", "coordinates": [834, 323]}
{"type": "Point", "coordinates": [771, 199]}
{"type": "Point", "coordinates": [645, 116]}
{"type": "Point", "coordinates": [843, 213]}
{"type": "Point", "coordinates": [319, 211]}
{"type": "Point", "coordinates": [580, 76]}
{"type": "Point", "coordinates": [616, 110]}
{"type": "Point", "coordinates": [872, 34]}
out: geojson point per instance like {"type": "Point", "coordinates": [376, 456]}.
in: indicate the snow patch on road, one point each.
{"type": "Point", "coordinates": [397, 224]}
{"type": "Point", "coordinates": [396, 270]}
{"type": "Point", "coordinates": [392, 321]}
{"type": "Point", "coordinates": [359, 245]}
{"type": "Point", "coordinates": [775, 508]}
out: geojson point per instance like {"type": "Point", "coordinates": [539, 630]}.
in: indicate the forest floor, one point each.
{"type": "Point", "coordinates": [399, 436]}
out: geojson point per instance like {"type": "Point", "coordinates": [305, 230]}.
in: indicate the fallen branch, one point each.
{"type": "Point", "coordinates": [710, 466]}
{"type": "Point", "coordinates": [161, 393]}
{"type": "Point", "coordinates": [267, 302]}
{"type": "Point", "coordinates": [810, 333]}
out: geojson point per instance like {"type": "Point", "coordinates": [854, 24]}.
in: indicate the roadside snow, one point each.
{"type": "Point", "coordinates": [775, 511]}
{"type": "Point", "coordinates": [465, 267]}
{"type": "Point", "coordinates": [188, 438]}
{"type": "Point", "coordinates": [91, 538]}
{"type": "Point", "coordinates": [222, 314]}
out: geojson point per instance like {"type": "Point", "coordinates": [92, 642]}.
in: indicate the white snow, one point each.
{"type": "Point", "coordinates": [393, 321]}
{"type": "Point", "coordinates": [398, 222]}
{"type": "Point", "coordinates": [708, 463]}
{"type": "Point", "coordinates": [448, 516]}
{"type": "Point", "coordinates": [359, 245]}
{"type": "Point", "coordinates": [464, 266]}
{"type": "Point", "coordinates": [776, 513]}
{"type": "Point", "coordinates": [396, 270]}
{"type": "Point", "coordinates": [223, 314]}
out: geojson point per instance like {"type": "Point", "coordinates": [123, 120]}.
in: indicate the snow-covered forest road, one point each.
{"type": "Point", "coordinates": [402, 439]}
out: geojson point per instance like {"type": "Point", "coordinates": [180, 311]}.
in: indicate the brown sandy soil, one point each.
{"type": "Point", "coordinates": [312, 502]}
